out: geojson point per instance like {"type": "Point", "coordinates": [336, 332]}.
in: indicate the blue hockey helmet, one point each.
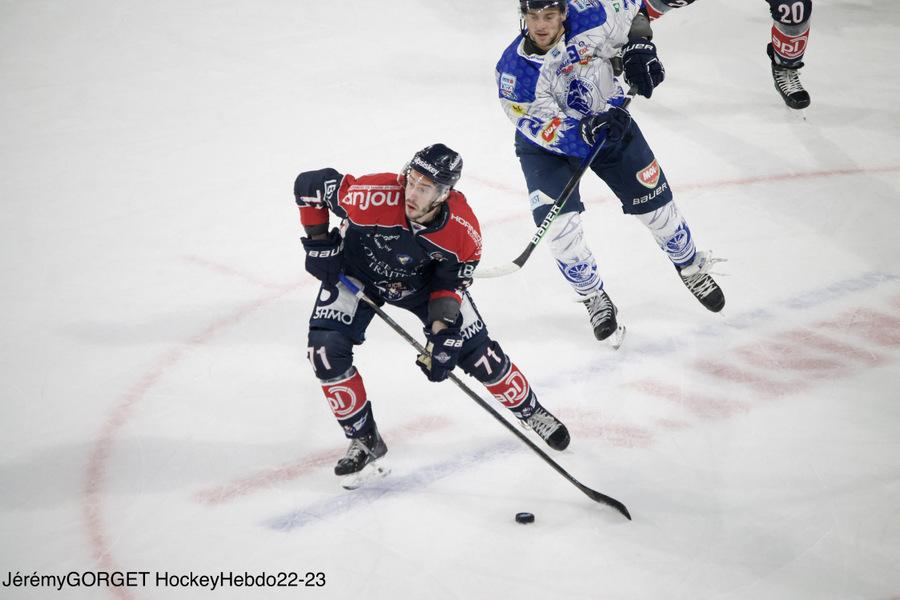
{"type": "Point", "coordinates": [439, 163]}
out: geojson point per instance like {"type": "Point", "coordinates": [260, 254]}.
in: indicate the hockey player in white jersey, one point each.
{"type": "Point", "coordinates": [558, 84]}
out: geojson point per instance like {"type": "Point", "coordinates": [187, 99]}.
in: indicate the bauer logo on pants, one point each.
{"type": "Point", "coordinates": [649, 175]}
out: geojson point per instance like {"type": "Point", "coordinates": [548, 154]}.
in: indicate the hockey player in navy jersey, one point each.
{"type": "Point", "coordinates": [411, 240]}
{"type": "Point", "coordinates": [558, 84]}
{"type": "Point", "coordinates": [790, 34]}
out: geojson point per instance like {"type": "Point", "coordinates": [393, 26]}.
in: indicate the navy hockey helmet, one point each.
{"type": "Point", "coordinates": [439, 163]}
{"type": "Point", "coordinates": [526, 5]}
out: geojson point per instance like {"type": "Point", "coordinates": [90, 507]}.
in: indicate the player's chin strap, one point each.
{"type": "Point", "coordinates": [592, 494]}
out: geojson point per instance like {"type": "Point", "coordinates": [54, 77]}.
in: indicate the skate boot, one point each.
{"type": "Point", "coordinates": [549, 428]}
{"type": "Point", "coordinates": [603, 314]}
{"type": "Point", "coordinates": [363, 450]}
{"type": "Point", "coordinates": [697, 279]}
{"type": "Point", "coordinates": [787, 82]}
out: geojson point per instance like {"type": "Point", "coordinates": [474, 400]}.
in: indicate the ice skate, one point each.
{"type": "Point", "coordinates": [787, 82]}
{"type": "Point", "coordinates": [549, 428]}
{"type": "Point", "coordinates": [360, 463]}
{"type": "Point", "coordinates": [603, 313]}
{"type": "Point", "coordinates": [697, 279]}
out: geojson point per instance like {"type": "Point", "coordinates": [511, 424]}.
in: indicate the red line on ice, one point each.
{"type": "Point", "coordinates": [520, 190]}
{"type": "Point", "coordinates": [103, 443]}
{"type": "Point", "coordinates": [266, 479]}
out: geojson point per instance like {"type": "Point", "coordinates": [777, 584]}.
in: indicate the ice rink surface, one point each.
{"type": "Point", "coordinates": [158, 413]}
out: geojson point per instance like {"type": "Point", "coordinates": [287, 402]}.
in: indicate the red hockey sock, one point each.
{"type": "Point", "coordinates": [512, 389]}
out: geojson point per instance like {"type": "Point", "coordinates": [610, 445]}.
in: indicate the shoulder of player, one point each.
{"type": "Point", "coordinates": [461, 232]}
{"type": "Point", "coordinates": [518, 73]}
{"type": "Point", "coordinates": [371, 181]}
{"type": "Point", "coordinates": [516, 58]}
{"type": "Point", "coordinates": [375, 199]}
{"type": "Point", "coordinates": [585, 15]}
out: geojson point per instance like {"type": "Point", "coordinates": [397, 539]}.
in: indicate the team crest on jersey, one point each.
{"type": "Point", "coordinates": [580, 96]}
{"type": "Point", "coordinates": [508, 85]}
{"type": "Point", "coordinates": [392, 290]}
{"type": "Point", "coordinates": [649, 175]}
{"type": "Point", "coordinates": [404, 259]}
{"type": "Point", "coordinates": [436, 256]}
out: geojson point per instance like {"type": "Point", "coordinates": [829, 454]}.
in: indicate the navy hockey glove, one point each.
{"type": "Point", "coordinates": [643, 70]}
{"type": "Point", "coordinates": [613, 123]}
{"type": "Point", "coordinates": [324, 258]}
{"type": "Point", "coordinates": [441, 353]}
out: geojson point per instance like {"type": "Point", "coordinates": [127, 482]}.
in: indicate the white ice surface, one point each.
{"type": "Point", "coordinates": [158, 413]}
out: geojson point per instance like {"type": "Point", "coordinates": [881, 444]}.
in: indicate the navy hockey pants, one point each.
{"type": "Point", "coordinates": [339, 321]}
{"type": "Point", "coordinates": [629, 168]}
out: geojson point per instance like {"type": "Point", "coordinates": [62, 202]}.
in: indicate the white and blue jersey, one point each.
{"type": "Point", "coordinates": [546, 96]}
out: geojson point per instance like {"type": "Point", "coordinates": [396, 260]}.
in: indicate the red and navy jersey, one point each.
{"type": "Point", "coordinates": [404, 263]}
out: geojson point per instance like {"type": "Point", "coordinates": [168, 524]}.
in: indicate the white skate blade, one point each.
{"type": "Point", "coordinates": [616, 339]}
{"type": "Point", "coordinates": [371, 472]}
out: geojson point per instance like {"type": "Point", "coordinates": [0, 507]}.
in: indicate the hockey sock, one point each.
{"type": "Point", "coordinates": [789, 44]}
{"type": "Point", "coordinates": [346, 396]}
{"type": "Point", "coordinates": [671, 233]}
{"type": "Point", "coordinates": [575, 260]}
{"type": "Point", "coordinates": [513, 392]}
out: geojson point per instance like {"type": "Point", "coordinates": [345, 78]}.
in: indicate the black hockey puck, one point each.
{"type": "Point", "coordinates": [524, 518]}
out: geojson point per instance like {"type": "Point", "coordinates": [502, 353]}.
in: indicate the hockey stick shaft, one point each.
{"type": "Point", "coordinates": [592, 494]}
{"type": "Point", "coordinates": [554, 211]}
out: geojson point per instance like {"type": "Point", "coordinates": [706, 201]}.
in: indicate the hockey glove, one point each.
{"type": "Point", "coordinates": [643, 70]}
{"type": "Point", "coordinates": [441, 353]}
{"type": "Point", "coordinates": [613, 123]}
{"type": "Point", "coordinates": [324, 258]}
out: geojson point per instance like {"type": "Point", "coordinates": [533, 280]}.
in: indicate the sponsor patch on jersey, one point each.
{"type": "Point", "coordinates": [340, 307]}
{"type": "Point", "coordinates": [517, 109]}
{"type": "Point", "coordinates": [649, 175]}
{"type": "Point", "coordinates": [473, 233]}
{"type": "Point", "coordinates": [548, 134]}
{"type": "Point", "coordinates": [508, 85]}
{"type": "Point", "coordinates": [582, 5]}
{"type": "Point", "coordinates": [364, 196]}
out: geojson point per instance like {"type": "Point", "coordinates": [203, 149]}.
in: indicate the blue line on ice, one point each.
{"type": "Point", "coordinates": [366, 495]}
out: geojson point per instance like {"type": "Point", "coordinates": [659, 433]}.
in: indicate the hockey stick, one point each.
{"type": "Point", "coordinates": [592, 494]}
{"type": "Point", "coordinates": [555, 209]}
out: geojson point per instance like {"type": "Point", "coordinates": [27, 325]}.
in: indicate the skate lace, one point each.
{"type": "Point", "coordinates": [701, 284]}
{"type": "Point", "coordinates": [543, 423]}
{"type": "Point", "coordinates": [358, 450]}
{"type": "Point", "coordinates": [696, 276]}
{"type": "Point", "coordinates": [788, 80]}
{"type": "Point", "coordinates": [600, 307]}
